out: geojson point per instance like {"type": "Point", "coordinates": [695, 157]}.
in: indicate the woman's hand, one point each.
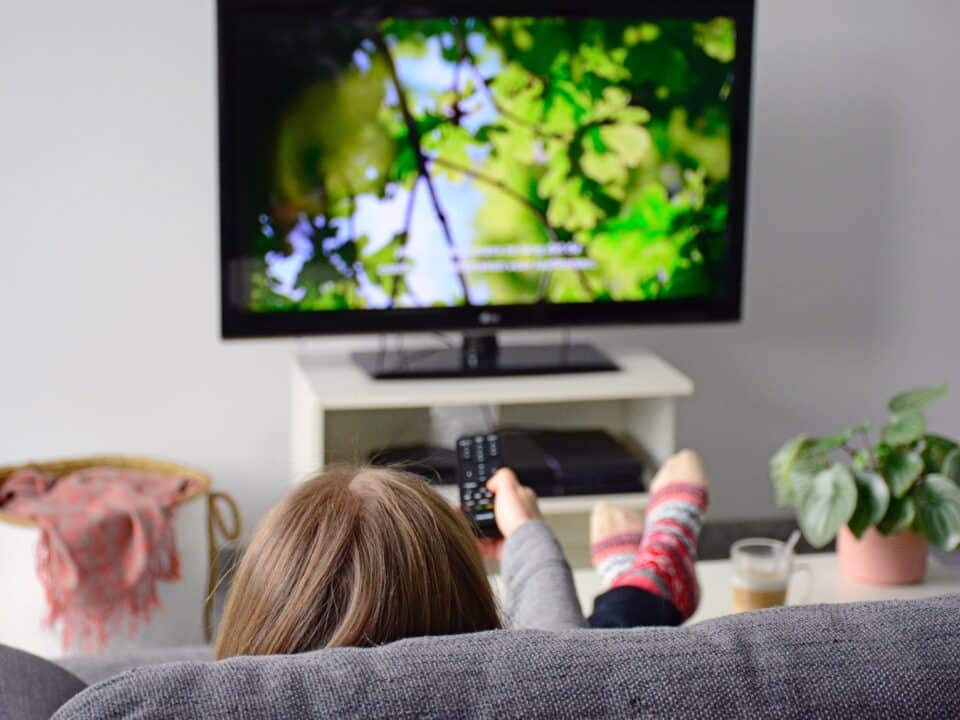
{"type": "Point", "coordinates": [513, 503]}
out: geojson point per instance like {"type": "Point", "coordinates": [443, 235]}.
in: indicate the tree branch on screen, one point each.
{"type": "Point", "coordinates": [417, 147]}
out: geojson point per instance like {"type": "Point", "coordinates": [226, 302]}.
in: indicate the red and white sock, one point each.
{"type": "Point", "coordinates": [615, 554]}
{"type": "Point", "coordinates": [662, 562]}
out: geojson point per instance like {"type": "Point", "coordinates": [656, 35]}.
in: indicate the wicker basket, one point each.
{"type": "Point", "coordinates": [210, 531]}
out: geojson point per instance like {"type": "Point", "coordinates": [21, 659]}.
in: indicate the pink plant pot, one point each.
{"type": "Point", "coordinates": [876, 559]}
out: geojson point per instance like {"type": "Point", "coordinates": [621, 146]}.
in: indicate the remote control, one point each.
{"type": "Point", "coordinates": [478, 458]}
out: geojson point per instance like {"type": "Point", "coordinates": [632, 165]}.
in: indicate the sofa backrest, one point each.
{"type": "Point", "coordinates": [894, 659]}
{"type": "Point", "coordinates": [94, 668]}
{"type": "Point", "coordinates": [32, 688]}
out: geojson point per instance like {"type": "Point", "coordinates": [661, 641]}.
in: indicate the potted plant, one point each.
{"type": "Point", "coordinates": [884, 501]}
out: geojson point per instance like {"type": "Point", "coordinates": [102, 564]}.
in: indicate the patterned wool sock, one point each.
{"type": "Point", "coordinates": [615, 536]}
{"type": "Point", "coordinates": [663, 564]}
{"type": "Point", "coordinates": [614, 555]}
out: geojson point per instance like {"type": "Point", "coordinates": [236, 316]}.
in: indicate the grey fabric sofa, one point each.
{"type": "Point", "coordinates": [31, 687]}
{"type": "Point", "coordinates": [872, 660]}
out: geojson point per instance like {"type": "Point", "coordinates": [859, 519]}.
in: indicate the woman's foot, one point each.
{"type": "Point", "coordinates": [615, 537]}
{"type": "Point", "coordinates": [662, 559]}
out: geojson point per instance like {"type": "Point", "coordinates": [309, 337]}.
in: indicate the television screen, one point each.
{"type": "Point", "coordinates": [377, 164]}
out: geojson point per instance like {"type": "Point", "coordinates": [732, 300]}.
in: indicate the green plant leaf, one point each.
{"type": "Point", "coordinates": [900, 469]}
{"type": "Point", "coordinates": [827, 505]}
{"type": "Point", "coordinates": [780, 467]}
{"type": "Point", "coordinates": [792, 468]}
{"type": "Point", "coordinates": [951, 465]}
{"type": "Point", "coordinates": [916, 399]}
{"type": "Point", "coordinates": [863, 429]}
{"type": "Point", "coordinates": [935, 451]}
{"type": "Point", "coordinates": [881, 450]}
{"type": "Point", "coordinates": [938, 511]}
{"type": "Point", "coordinates": [860, 460]}
{"type": "Point", "coordinates": [904, 428]}
{"type": "Point", "coordinates": [873, 499]}
{"type": "Point", "coordinates": [801, 481]}
{"type": "Point", "coordinates": [899, 516]}
{"type": "Point", "coordinates": [828, 443]}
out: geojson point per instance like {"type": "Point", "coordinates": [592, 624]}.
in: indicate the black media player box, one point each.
{"type": "Point", "coordinates": [571, 462]}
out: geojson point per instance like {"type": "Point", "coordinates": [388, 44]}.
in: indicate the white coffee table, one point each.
{"type": "Point", "coordinates": [822, 584]}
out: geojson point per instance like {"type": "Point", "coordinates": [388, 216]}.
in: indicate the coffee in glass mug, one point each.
{"type": "Point", "coordinates": [761, 573]}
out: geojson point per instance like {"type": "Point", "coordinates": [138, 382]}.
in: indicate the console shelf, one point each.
{"type": "Point", "coordinates": [340, 414]}
{"type": "Point", "coordinates": [338, 384]}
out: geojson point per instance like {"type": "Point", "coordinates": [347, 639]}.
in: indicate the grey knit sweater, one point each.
{"type": "Point", "coordinates": [538, 585]}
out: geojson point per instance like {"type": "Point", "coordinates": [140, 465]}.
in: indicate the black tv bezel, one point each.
{"type": "Point", "coordinates": [237, 323]}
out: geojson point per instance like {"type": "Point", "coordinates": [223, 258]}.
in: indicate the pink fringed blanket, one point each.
{"type": "Point", "coordinates": [106, 539]}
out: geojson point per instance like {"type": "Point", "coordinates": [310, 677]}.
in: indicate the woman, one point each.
{"type": "Point", "coordinates": [359, 557]}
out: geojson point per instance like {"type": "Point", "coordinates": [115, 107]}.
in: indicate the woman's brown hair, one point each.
{"type": "Point", "coordinates": [356, 557]}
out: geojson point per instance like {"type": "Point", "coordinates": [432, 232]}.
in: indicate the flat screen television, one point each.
{"type": "Point", "coordinates": [441, 165]}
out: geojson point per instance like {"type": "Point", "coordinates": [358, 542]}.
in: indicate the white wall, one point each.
{"type": "Point", "coordinates": [108, 296]}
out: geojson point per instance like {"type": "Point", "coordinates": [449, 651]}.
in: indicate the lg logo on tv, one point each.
{"type": "Point", "coordinates": [489, 318]}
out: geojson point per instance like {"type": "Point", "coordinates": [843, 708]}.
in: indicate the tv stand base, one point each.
{"type": "Point", "coordinates": [482, 356]}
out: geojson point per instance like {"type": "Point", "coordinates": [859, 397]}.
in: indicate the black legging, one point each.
{"type": "Point", "coordinates": [626, 607]}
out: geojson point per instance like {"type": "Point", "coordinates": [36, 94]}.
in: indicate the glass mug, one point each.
{"type": "Point", "coordinates": [761, 573]}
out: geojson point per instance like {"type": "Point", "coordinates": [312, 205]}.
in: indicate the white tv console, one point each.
{"type": "Point", "coordinates": [339, 414]}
